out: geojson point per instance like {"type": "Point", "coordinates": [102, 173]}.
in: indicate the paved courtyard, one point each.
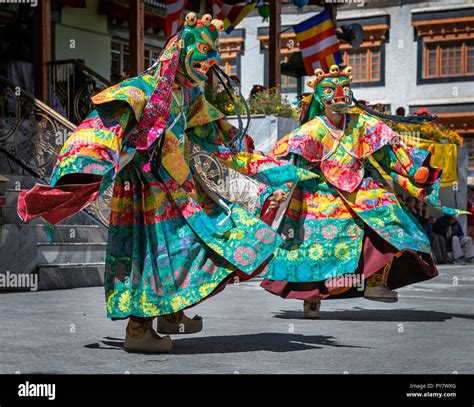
{"type": "Point", "coordinates": [246, 330]}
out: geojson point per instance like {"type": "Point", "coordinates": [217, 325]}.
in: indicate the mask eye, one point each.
{"type": "Point", "coordinates": [346, 89]}
{"type": "Point", "coordinates": [328, 91]}
{"type": "Point", "coordinates": [203, 48]}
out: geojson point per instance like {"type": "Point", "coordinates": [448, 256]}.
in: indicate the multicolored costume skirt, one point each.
{"type": "Point", "coordinates": [380, 262]}
{"type": "Point", "coordinates": [326, 262]}
{"type": "Point", "coordinates": [165, 255]}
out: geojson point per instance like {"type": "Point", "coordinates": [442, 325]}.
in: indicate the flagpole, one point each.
{"type": "Point", "coordinates": [137, 37]}
{"type": "Point", "coordinates": [274, 46]}
{"type": "Point", "coordinates": [333, 11]}
{"type": "Point", "coordinates": [207, 8]}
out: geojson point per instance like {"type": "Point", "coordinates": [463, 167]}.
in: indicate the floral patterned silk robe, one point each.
{"type": "Point", "coordinates": [170, 245]}
{"type": "Point", "coordinates": [326, 218]}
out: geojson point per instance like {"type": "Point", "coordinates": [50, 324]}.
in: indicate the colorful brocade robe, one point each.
{"type": "Point", "coordinates": [170, 244]}
{"type": "Point", "coordinates": [324, 222]}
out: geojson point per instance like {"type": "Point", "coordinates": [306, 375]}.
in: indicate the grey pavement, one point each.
{"type": "Point", "coordinates": [247, 330]}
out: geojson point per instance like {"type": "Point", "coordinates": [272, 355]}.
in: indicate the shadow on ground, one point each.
{"type": "Point", "coordinates": [270, 342]}
{"type": "Point", "coordinates": [377, 315]}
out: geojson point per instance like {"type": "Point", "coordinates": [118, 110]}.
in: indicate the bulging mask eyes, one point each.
{"type": "Point", "coordinates": [328, 91]}
{"type": "Point", "coordinates": [347, 90]}
{"type": "Point", "coordinates": [203, 48]}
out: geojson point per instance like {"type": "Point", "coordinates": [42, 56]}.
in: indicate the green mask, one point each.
{"type": "Point", "coordinates": [335, 93]}
{"type": "Point", "coordinates": [200, 46]}
{"type": "Point", "coordinates": [332, 90]}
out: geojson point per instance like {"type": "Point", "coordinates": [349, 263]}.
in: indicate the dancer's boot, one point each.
{"type": "Point", "coordinates": [380, 293]}
{"type": "Point", "coordinates": [178, 323]}
{"type": "Point", "coordinates": [140, 337]}
{"type": "Point", "coordinates": [311, 308]}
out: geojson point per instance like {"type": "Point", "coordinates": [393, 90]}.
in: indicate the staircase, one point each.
{"type": "Point", "coordinates": [75, 256]}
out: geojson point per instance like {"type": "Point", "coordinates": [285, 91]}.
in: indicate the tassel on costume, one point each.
{"type": "Point", "coordinates": [49, 229]}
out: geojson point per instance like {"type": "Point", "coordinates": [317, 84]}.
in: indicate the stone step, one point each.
{"type": "Point", "coordinates": [76, 234]}
{"type": "Point", "coordinates": [71, 253]}
{"type": "Point", "coordinates": [11, 197]}
{"type": "Point", "coordinates": [17, 182]}
{"type": "Point", "coordinates": [73, 275]}
{"type": "Point", "coordinates": [20, 252]}
{"type": "Point", "coordinates": [62, 233]}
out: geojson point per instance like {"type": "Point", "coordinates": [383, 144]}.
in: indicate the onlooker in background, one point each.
{"type": "Point", "coordinates": [470, 208]}
{"type": "Point", "coordinates": [422, 111]}
{"type": "Point", "coordinates": [429, 224]}
{"type": "Point", "coordinates": [410, 201]}
{"type": "Point", "coordinates": [400, 111]}
{"type": "Point", "coordinates": [461, 246]}
{"type": "Point", "coordinates": [423, 214]}
{"type": "Point", "coordinates": [438, 242]}
{"type": "Point", "coordinates": [379, 107]}
{"type": "Point", "coordinates": [235, 78]}
{"type": "Point", "coordinates": [257, 89]}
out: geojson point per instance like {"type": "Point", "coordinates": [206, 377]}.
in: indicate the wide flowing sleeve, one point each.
{"type": "Point", "coordinates": [213, 133]}
{"type": "Point", "coordinates": [410, 167]}
{"type": "Point", "coordinates": [89, 159]}
{"type": "Point", "coordinates": [267, 170]}
{"type": "Point", "coordinates": [94, 148]}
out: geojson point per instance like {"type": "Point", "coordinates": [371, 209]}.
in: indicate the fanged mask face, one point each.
{"type": "Point", "coordinates": [335, 93]}
{"type": "Point", "coordinates": [202, 67]}
{"type": "Point", "coordinates": [200, 47]}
